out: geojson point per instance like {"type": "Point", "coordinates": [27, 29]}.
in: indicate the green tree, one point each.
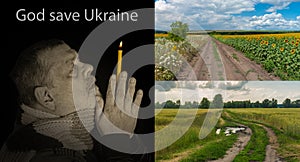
{"type": "Point", "coordinates": [178, 31]}
{"type": "Point", "coordinates": [266, 103]}
{"type": "Point", "coordinates": [274, 103]}
{"type": "Point", "coordinates": [170, 104]}
{"type": "Point", "coordinates": [204, 103]}
{"type": "Point", "coordinates": [217, 101]}
{"type": "Point", "coordinates": [287, 103]}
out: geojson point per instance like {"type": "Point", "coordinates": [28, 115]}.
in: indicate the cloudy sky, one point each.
{"type": "Point", "coordinates": [229, 14]}
{"type": "Point", "coordinates": [230, 90]}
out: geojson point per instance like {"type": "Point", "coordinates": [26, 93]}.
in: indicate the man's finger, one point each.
{"type": "Point", "coordinates": [99, 109]}
{"type": "Point", "coordinates": [120, 93]}
{"type": "Point", "coordinates": [110, 95]}
{"type": "Point", "coordinates": [129, 94]}
{"type": "Point", "coordinates": [137, 102]}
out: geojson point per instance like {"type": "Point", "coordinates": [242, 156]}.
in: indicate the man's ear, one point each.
{"type": "Point", "coordinates": [44, 97]}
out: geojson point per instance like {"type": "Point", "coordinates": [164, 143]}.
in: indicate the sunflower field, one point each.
{"type": "Point", "coordinates": [278, 53]}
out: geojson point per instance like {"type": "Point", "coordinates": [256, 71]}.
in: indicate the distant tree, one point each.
{"type": "Point", "coordinates": [297, 103]}
{"type": "Point", "coordinates": [158, 105]}
{"type": "Point", "coordinates": [256, 104]}
{"type": "Point", "coordinates": [204, 103]}
{"type": "Point", "coordinates": [274, 103]}
{"type": "Point", "coordinates": [195, 104]}
{"type": "Point", "coordinates": [177, 104]}
{"type": "Point", "coordinates": [170, 104]}
{"type": "Point", "coordinates": [287, 103]}
{"type": "Point", "coordinates": [266, 103]}
{"type": "Point", "coordinates": [187, 104]}
{"type": "Point", "coordinates": [217, 101]}
{"type": "Point", "coordinates": [178, 31]}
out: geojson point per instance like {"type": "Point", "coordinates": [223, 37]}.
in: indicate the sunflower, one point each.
{"type": "Point", "coordinates": [293, 51]}
{"type": "Point", "coordinates": [266, 42]}
{"type": "Point", "coordinates": [282, 49]}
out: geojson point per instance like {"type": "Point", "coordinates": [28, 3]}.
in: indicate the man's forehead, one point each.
{"type": "Point", "coordinates": [65, 51]}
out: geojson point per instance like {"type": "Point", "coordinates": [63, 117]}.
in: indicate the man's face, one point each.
{"type": "Point", "coordinates": [74, 86]}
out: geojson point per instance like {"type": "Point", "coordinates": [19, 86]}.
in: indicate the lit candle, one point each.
{"type": "Point", "coordinates": [119, 68]}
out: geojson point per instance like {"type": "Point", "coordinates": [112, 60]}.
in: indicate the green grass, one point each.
{"type": "Point", "coordinates": [212, 147]}
{"type": "Point", "coordinates": [285, 124]}
{"type": "Point", "coordinates": [216, 54]}
{"type": "Point", "coordinates": [235, 57]}
{"type": "Point", "coordinates": [212, 150]}
{"type": "Point", "coordinates": [255, 149]}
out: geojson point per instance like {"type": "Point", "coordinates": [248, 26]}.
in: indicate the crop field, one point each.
{"type": "Point", "coordinates": [278, 53]}
{"type": "Point", "coordinates": [189, 147]}
{"type": "Point", "coordinates": [284, 122]}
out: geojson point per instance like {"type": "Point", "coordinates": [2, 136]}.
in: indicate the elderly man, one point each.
{"type": "Point", "coordinates": [61, 105]}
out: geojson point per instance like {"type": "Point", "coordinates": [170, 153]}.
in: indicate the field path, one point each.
{"type": "Point", "coordinates": [238, 146]}
{"type": "Point", "coordinates": [271, 155]}
{"type": "Point", "coordinates": [218, 61]}
{"type": "Point", "coordinates": [236, 63]}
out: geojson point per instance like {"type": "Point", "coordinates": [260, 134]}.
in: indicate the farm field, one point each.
{"type": "Point", "coordinates": [274, 136]}
{"type": "Point", "coordinates": [277, 53]}
{"type": "Point", "coordinates": [228, 57]}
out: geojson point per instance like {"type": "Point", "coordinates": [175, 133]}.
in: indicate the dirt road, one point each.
{"type": "Point", "coordinates": [239, 145]}
{"type": "Point", "coordinates": [217, 61]}
{"type": "Point", "coordinates": [271, 154]}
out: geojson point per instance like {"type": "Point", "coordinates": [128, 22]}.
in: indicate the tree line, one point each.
{"type": "Point", "coordinates": [218, 102]}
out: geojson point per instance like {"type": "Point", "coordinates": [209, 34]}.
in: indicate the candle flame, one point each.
{"type": "Point", "coordinates": [121, 44]}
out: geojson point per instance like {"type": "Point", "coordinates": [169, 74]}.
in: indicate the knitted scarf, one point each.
{"type": "Point", "coordinates": [71, 130]}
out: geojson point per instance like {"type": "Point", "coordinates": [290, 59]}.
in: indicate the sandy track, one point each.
{"type": "Point", "coordinates": [271, 155]}
{"type": "Point", "coordinates": [239, 67]}
{"type": "Point", "coordinates": [238, 146]}
{"type": "Point", "coordinates": [218, 61]}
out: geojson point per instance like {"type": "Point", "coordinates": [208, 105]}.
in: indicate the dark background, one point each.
{"type": "Point", "coordinates": [20, 35]}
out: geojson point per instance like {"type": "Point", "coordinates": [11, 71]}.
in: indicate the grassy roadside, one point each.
{"type": "Point", "coordinates": [210, 148]}
{"type": "Point", "coordinates": [284, 123]}
{"type": "Point", "coordinates": [255, 149]}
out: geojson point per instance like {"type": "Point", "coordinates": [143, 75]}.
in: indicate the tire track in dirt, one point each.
{"type": "Point", "coordinates": [209, 65]}
{"type": "Point", "coordinates": [239, 67]}
{"type": "Point", "coordinates": [194, 70]}
{"type": "Point", "coordinates": [213, 61]}
{"type": "Point", "coordinates": [239, 145]}
{"type": "Point", "coordinates": [218, 61]}
{"type": "Point", "coordinates": [271, 155]}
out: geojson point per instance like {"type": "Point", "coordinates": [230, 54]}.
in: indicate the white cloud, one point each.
{"type": "Point", "coordinates": [199, 13]}
{"type": "Point", "coordinates": [278, 4]}
{"type": "Point", "coordinates": [278, 7]}
{"type": "Point", "coordinates": [298, 18]}
{"type": "Point", "coordinates": [251, 90]}
{"type": "Point", "coordinates": [273, 21]}
{"type": "Point", "coordinates": [216, 14]}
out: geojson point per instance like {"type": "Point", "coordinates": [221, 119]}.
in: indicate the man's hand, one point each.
{"type": "Point", "coordinates": [120, 112]}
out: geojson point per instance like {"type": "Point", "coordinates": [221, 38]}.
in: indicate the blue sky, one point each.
{"type": "Point", "coordinates": [230, 90]}
{"type": "Point", "coordinates": [229, 14]}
